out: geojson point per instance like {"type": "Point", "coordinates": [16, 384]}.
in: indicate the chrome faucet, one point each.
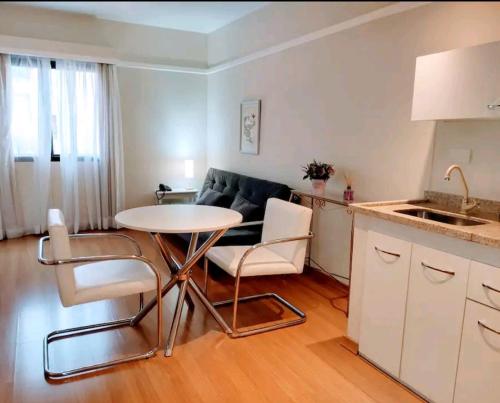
{"type": "Point", "coordinates": [467, 205]}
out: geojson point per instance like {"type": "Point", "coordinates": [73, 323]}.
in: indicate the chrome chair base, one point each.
{"type": "Point", "coordinates": [234, 331]}
{"type": "Point", "coordinates": [89, 329]}
{"type": "Point", "coordinates": [241, 332]}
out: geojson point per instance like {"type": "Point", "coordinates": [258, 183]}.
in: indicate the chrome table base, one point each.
{"type": "Point", "coordinates": [181, 276]}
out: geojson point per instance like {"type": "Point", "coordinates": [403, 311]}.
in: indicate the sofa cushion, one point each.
{"type": "Point", "coordinates": [255, 190]}
{"type": "Point", "coordinates": [212, 197]}
{"type": "Point", "coordinates": [247, 209]}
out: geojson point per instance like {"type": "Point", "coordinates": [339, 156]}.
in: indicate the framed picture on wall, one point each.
{"type": "Point", "coordinates": [250, 127]}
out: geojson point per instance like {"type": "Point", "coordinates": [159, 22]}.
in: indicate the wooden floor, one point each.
{"type": "Point", "coordinates": [304, 363]}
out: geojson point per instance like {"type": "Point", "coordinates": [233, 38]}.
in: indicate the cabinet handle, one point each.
{"type": "Point", "coordinates": [482, 324]}
{"type": "Point", "coordinates": [426, 266]}
{"type": "Point", "coordinates": [387, 253]}
{"type": "Point", "coordinates": [489, 287]}
{"type": "Point", "coordinates": [492, 107]}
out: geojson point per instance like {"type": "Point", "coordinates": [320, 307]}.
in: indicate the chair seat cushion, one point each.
{"type": "Point", "coordinates": [112, 279]}
{"type": "Point", "coordinates": [260, 262]}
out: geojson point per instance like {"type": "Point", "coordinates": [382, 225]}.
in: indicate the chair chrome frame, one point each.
{"type": "Point", "coordinates": [82, 330]}
{"type": "Point", "coordinates": [239, 332]}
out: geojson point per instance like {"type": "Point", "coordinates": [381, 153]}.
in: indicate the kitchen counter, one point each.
{"type": "Point", "coordinates": [486, 234]}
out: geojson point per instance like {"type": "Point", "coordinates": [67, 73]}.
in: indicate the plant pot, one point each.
{"type": "Point", "coordinates": [318, 187]}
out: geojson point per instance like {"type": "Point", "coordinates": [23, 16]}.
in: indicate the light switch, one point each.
{"type": "Point", "coordinates": [460, 155]}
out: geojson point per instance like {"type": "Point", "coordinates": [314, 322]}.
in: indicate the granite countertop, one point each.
{"type": "Point", "coordinates": [485, 234]}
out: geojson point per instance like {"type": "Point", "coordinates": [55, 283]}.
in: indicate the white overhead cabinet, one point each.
{"type": "Point", "coordinates": [458, 84]}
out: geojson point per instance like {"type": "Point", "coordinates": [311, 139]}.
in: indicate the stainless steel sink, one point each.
{"type": "Point", "coordinates": [440, 217]}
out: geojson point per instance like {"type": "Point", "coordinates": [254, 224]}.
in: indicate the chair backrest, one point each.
{"type": "Point", "coordinates": [286, 220]}
{"type": "Point", "coordinates": [60, 248]}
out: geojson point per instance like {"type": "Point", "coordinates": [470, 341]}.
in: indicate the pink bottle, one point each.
{"type": "Point", "coordinates": [348, 194]}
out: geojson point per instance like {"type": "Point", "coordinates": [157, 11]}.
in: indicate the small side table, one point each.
{"type": "Point", "coordinates": [176, 196]}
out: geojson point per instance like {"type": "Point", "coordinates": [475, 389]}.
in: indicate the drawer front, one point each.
{"type": "Point", "coordinates": [384, 301]}
{"type": "Point", "coordinates": [484, 284]}
{"type": "Point", "coordinates": [435, 308]}
{"type": "Point", "coordinates": [479, 365]}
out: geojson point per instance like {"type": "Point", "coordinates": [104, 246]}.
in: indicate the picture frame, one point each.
{"type": "Point", "coordinates": [250, 127]}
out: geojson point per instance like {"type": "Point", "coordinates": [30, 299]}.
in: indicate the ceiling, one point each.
{"type": "Point", "coordinates": [203, 17]}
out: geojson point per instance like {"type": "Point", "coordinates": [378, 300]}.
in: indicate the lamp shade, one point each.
{"type": "Point", "coordinates": [189, 169]}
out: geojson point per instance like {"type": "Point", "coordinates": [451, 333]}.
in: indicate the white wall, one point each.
{"type": "Point", "coordinates": [344, 98]}
{"type": "Point", "coordinates": [482, 140]}
{"type": "Point", "coordinates": [164, 123]}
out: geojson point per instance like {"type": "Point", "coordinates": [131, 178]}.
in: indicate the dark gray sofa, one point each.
{"type": "Point", "coordinates": [249, 195]}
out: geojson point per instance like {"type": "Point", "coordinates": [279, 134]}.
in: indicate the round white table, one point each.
{"type": "Point", "coordinates": [178, 218]}
{"type": "Point", "coordinates": [175, 219]}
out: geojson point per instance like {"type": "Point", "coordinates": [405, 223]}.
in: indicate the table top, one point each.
{"type": "Point", "coordinates": [178, 218]}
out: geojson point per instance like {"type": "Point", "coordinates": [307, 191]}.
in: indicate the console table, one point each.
{"type": "Point", "coordinates": [340, 234]}
{"type": "Point", "coordinates": [175, 195]}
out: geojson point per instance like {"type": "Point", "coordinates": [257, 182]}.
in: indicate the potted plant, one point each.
{"type": "Point", "coordinates": [318, 173]}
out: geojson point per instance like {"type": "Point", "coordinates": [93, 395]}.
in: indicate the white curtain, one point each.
{"type": "Point", "coordinates": [24, 125]}
{"type": "Point", "coordinates": [74, 111]}
{"type": "Point", "coordinates": [31, 131]}
{"type": "Point", "coordinates": [11, 224]}
{"type": "Point", "coordinates": [111, 145]}
{"type": "Point", "coordinates": [89, 123]}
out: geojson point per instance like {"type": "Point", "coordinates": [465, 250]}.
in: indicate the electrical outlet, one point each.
{"type": "Point", "coordinates": [460, 155]}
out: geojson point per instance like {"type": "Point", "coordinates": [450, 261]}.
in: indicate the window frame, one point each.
{"type": "Point", "coordinates": [53, 157]}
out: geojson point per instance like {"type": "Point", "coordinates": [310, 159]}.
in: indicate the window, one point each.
{"type": "Point", "coordinates": [73, 113]}
{"type": "Point", "coordinates": [24, 124]}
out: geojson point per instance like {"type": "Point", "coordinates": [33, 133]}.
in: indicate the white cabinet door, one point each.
{"type": "Point", "coordinates": [384, 299]}
{"type": "Point", "coordinates": [435, 308]}
{"type": "Point", "coordinates": [457, 84]}
{"type": "Point", "coordinates": [479, 366]}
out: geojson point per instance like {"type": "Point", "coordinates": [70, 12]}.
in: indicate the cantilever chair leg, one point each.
{"type": "Point", "coordinates": [241, 332]}
{"type": "Point", "coordinates": [95, 328]}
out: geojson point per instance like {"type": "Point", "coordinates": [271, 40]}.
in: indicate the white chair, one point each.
{"type": "Point", "coordinates": [94, 278]}
{"type": "Point", "coordinates": [282, 251]}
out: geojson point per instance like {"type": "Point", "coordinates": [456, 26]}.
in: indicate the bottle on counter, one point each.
{"type": "Point", "coordinates": [348, 194]}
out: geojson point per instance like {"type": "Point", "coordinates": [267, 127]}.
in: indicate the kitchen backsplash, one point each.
{"type": "Point", "coordinates": [455, 141]}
